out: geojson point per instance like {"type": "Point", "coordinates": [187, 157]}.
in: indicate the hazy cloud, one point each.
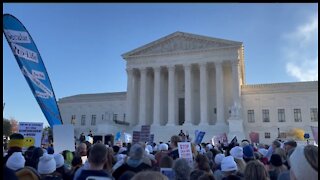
{"type": "Point", "coordinates": [301, 52]}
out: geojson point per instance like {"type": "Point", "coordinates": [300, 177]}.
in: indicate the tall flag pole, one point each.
{"type": "Point", "coordinates": [32, 67]}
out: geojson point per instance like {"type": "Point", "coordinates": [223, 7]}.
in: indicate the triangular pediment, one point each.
{"type": "Point", "coordinates": [180, 42]}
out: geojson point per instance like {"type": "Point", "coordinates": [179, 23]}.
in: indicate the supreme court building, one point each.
{"type": "Point", "coordinates": [193, 82]}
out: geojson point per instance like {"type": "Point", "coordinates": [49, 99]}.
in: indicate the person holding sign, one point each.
{"type": "Point", "coordinates": [174, 153]}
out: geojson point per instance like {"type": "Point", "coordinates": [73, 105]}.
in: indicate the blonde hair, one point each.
{"type": "Point", "coordinates": [154, 175]}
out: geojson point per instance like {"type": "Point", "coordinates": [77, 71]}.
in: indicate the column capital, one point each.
{"type": "Point", "coordinates": [203, 64]}
{"type": "Point", "coordinates": [171, 67]}
{"type": "Point", "coordinates": [187, 66]}
{"type": "Point", "coordinates": [156, 68]}
{"type": "Point", "coordinates": [218, 63]}
{"type": "Point", "coordinates": [143, 69]}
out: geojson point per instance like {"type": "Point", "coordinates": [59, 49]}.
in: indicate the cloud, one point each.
{"type": "Point", "coordinates": [301, 52]}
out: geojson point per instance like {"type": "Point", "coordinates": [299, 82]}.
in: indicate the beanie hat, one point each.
{"type": "Point", "coordinates": [228, 164]}
{"type": "Point", "coordinates": [59, 160]}
{"type": "Point", "coordinates": [237, 152]}
{"type": "Point", "coordinates": [275, 160]}
{"type": "Point", "coordinates": [300, 165]}
{"type": "Point", "coordinates": [248, 151]}
{"type": "Point", "coordinates": [263, 151]}
{"type": "Point", "coordinates": [218, 158]}
{"type": "Point", "coordinates": [16, 161]}
{"type": "Point", "coordinates": [150, 149]}
{"type": "Point", "coordinates": [16, 140]}
{"type": "Point", "coordinates": [163, 147]}
{"type": "Point", "coordinates": [209, 146]}
{"type": "Point", "coordinates": [47, 164]}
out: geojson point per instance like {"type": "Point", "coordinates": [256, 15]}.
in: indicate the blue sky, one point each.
{"type": "Point", "coordinates": [81, 44]}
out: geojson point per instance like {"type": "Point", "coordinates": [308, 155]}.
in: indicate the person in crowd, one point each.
{"type": "Point", "coordinates": [110, 160]}
{"type": "Point", "coordinates": [82, 137]}
{"type": "Point", "coordinates": [237, 153]}
{"type": "Point", "coordinates": [195, 174]}
{"type": "Point", "coordinates": [47, 167]}
{"type": "Point", "coordinates": [217, 168]}
{"type": "Point", "coordinates": [181, 169]}
{"type": "Point", "coordinates": [28, 173]}
{"type": "Point", "coordinates": [166, 162]}
{"type": "Point", "coordinates": [15, 145]}
{"type": "Point", "coordinates": [174, 153]}
{"type": "Point", "coordinates": [28, 154]}
{"type": "Point", "coordinates": [82, 152]}
{"type": "Point", "coordinates": [90, 134]}
{"type": "Point", "coordinates": [163, 151]}
{"type": "Point", "coordinates": [209, 155]}
{"type": "Point", "coordinates": [36, 154]}
{"type": "Point", "coordinates": [282, 153]}
{"type": "Point", "coordinates": [255, 170]}
{"type": "Point", "coordinates": [84, 166]}
{"type": "Point", "coordinates": [143, 175]}
{"type": "Point", "coordinates": [290, 144]}
{"type": "Point", "coordinates": [76, 163]}
{"type": "Point", "coordinates": [128, 175]}
{"type": "Point", "coordinates": [16, 161]}
{"type": "Point", "coordinates": [206, 176]}
{"type": "Point", "coordinates": [96, 159]}
{"type": "Point", "coordinates": [275, 166]}
{"type": "Point", "coordinates": [8, 174]}
{"type": "Point", "coordinates": [67, 156]}
{"type": "Point", "coordinates": [229, 167]}
{"type": "Point", "coordinates": [50, 150]}
{"type": "Point", "coordinates": [202, 163]}
{"type": "Point", "coordinates": [263, 157]}
{"type": "Point", "coordinates": [134, 162]}
{"type": "Point", "coordinates": [304, 163]}
{"type": "Point", "coordinates": [60, 169]}
{"type": "Point", "coordinates": [248, 154]}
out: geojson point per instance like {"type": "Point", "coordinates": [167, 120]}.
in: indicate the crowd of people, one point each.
{"type": "Point", "coordinates": [237, 160]}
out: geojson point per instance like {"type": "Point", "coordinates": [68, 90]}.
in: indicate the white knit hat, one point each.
{"type": "Point", "coordinates": [209, 146]}
{"type": "Point", "coordinates": [228, 164]}
{"type": "Point", "coordinates": [149, 147]}
{"type": "Point", "coordinates": [59, 160]}
{"type": "Point", "coordinates": [300, 165]}
{"type": "Point", "coordinates": [218, 158]}
{"type": "Point", "coordinates": [16, 161]}
{"type": "Point", "coordinates": [237, 152]}
{"type": "Point", "coordinates": [263, 151]}
{"type": "Point", "coordinates": [46, 164]}
{"type": "Point", "coordinates": [163, 147]}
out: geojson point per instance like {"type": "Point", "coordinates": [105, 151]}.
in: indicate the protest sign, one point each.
{"type": "Point", "coordinates": [63, 138]}
{"type": "Point", "coordinates": [221, 138]}
{"type": "Point", "coordinates": [199, 137]}
{"type": "Point", "coordinates": [127, 138]}
{"type": "Point", "coordinates": [184, 149]}
{"type": "Point", "coordinates": [151, 138]}
{"type": "Point", "coordinates": [145, 133]}
{"type": "Point", "coordinates": [254, 137]}
{"type": "Point", "coordinates": [32, 133]}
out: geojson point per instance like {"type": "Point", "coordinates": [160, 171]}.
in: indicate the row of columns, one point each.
{"type": "Point", "coordinates": [188, 93]}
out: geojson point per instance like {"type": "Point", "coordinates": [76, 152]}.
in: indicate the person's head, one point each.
{"type": "Point", "coordinates": [76, 161]}
{"type": "Point", "coordinates": [50, 150]}
{"type": "Point", "coordinates": [202, 163]}
{"type": "Point", "coordinates": [29, 151]}
{"type": "Point", "coordinates": [237, 152]}
{"type": "Point", "coordinates": [16, 142]}
{"type": "Point", "coordinates": [263, 152]}
{"type": "Point", "coordinates": [195, 174]}
{"type": "Point", "coordinates": [59, 160]}
{"type": "Point", "coordinates": [182, 169]}
{"type": "Point", "coordinates": [248, 153]}
{"type": "Point", "coordinates": [47, 164]}
{"type": "Point", "coordinates": [281, 152]}
{"type": "Point", "coordinates": [67, 156]}
{"type": "Point", "coordinates": [82, 149]}
{"type": "Point", "coordinates": [116, 149]}
{"type": "Point", "coordinates": [218, 158]}
{"type": "Point", "coordinates": [255, 170]}
{"type": "Point", "coordinates": [174, 141]}
{"type": "Point", "coordinates": [166, 162]}
{"type": "Point", "coordinates": [136, 151]}
{"type": "Point", "coordinates": [36, 154]}
{"type": "Point", "coordinates": [290, 145]}
{"type": "Point", "coordinates": [228, 164]}
{"type": "Point", "coordinates": [98, 155]}
{"type": "Point", "coordinates": [16, 161]}
{"type": "Point", "coordinates": [304, 163]}
{"type": "Point", "coordinates": [276, 144]}
{"type": "Point", "coordinates": [149, 175]}
{"type": "Point", "coordinates": [163, 147]}
{"type": "Point", "coordinates": [244, 143]}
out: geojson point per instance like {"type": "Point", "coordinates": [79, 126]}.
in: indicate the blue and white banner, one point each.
{"type": "Point", "coordinates": [32, 67]}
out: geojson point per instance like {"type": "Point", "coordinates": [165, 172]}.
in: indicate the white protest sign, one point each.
{"type": "Point", "coordinates": [184, 149]}
{"type": "Point", "coordinates": [63, 138]}
{"type": "Point", "coordinates": [32, 133]}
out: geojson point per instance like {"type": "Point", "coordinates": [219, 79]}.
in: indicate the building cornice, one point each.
{"type": "Point", "coordinates": [99, 97]}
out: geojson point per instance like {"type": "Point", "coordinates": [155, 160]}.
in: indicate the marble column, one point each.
{"type": "Point", "coordinates": [188, 97]}
{"type": "Point", "coordinates": [143, 86]}
{"type": "Point", "coordinates": [171, 95]}
{"type": "Point", "coordinates": [220, 96]}
{"type": "Point", "coordinates": [203, 94]}
{"type": "Point", "coordinates": [130, 96]}
{"type": "Point", "coordinates": [235, 81]}
{"type": "Point", "coordinates": [156, 95]}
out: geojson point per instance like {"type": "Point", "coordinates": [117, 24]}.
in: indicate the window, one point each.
{"type": "Point", "coordinates": [283, 135]}
{"type": "Point", "coordinates": [297, 115]}
{"type": "Point", "coordinates": [83, 120]}
{"type": "Point", "coordinates": [93, 120]}
{"type": "Point", "coordinates": [314, 114]}
{"type": "Point", "coordinates": [267, 135]}
{"type": "Point", "coordinates": [281, 116]}
{"type": "Point", "coordinates": [251, 116]}
{"type": "Point", "coordinates": [265, 115]}
{"type": "Point", "coordinates": [115, 117]}
{"type": "Point", "coordinates": [73, 119]}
